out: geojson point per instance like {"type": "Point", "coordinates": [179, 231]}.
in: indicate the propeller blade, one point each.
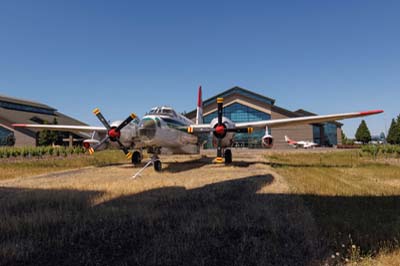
{"type": "Point", "coordinates": [125, 122]}
{"type": "Point", "coordinates": [220, 103]}
{"type": "Point", "coordinates": [128, 154]}
{"type": "Point", "coordinates": [101, 118]}
{"type": "Point", "coordinates": [106, 138]}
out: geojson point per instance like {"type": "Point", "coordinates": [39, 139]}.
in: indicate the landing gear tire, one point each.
{"type": "Point", "coordinates": [228, 156]}
{"type": "Point", "coordinates": [136, 158]}
{"type": "Point", "coordinates": [157, 165]}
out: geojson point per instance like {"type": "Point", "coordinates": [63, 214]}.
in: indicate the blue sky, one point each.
{"type": "Point", "coordinates": [128, 56]}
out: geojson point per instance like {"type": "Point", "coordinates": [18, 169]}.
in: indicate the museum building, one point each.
{"type": "Point", "coordinates": [242, 105]}
{"type": "Point", "coordinates": [19, 111]}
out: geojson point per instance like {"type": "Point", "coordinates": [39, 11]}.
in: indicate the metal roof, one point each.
{"type": "Point", "coordinates": [242, 91]}
{"type": "Point", "coordinates": [25, 102]}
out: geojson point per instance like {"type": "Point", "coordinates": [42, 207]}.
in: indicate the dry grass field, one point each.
{"type": "Point", "coordinates": [267, 208]}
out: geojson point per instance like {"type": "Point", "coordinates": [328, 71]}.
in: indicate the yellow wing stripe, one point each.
{"type": "Point", "coordinates": [220, 100]}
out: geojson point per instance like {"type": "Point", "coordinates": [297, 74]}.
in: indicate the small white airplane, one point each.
{"type": "Point", "coordinates": [305, 144]}
{"type": "Point", "coordinates": [163, 129]}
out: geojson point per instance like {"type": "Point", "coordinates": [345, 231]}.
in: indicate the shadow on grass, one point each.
{"type": "Point", "coordinates": [175, 167]}
{"type": "Point", "coordinates": [226, 223]}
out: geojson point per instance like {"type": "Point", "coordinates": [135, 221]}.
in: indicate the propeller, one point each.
{"type": "Point", "coordinates": [220, 129]}
{"type": "Point", "coordinates": [114, 133]}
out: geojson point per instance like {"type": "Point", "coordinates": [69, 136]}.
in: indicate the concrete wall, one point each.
{"type": "Point", "coordinates": [303, 132]}
{"type": "Point", "coordinates": [339, 135]}
{"type": "Point", "coordinates": [21, 138]}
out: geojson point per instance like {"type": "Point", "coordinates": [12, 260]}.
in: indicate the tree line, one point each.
{"type": "Point", "coordinates": [393, 136]}
{"type": "Point", "coordinates": [364, 135]}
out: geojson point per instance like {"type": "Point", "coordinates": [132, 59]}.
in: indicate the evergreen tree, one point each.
{"type": "Point", "coordinates": [44, 136]}
{"type": "Point", "coordinates": [382, 137]}
{"type": "Point", "coordinates": [363, 133]}
{"type": "Point", "coordinates": [397, 130]}
{"type": "Point", "coordinates": [344, 138]}
{"type": "Point", "coordinates": [391, 137]}
{"type": "Point", "coordinates": [47, 137]}
{"type": "Point", "coordinates": [54, 135]}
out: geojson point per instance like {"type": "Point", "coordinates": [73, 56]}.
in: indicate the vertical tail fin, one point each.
{"type": "Point", "coordinates": [199, 115]}
{"type": "Point", "coordinates": [287, 139]}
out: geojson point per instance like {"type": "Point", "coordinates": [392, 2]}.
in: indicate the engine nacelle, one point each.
{"type": "Point", "coordinates": [128, 133]}
{"type": "Point", "coordinates": [90, 143]}
{"type": "Point", "coordinates": [227, 140]}
{"type": "Point", "coordinates": [267, 141]}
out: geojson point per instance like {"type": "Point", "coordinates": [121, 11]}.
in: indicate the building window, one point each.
{"type": "Point", "coordinates": [243, 92]}
{"type": "Point", "coordinates": [330, 134]}
{"type": "Point", "coordinates": [6, 137]}
{"type": "Point", "coordinates": [26, 108]}
{"type": "Point", "coordinates": [237, 113]}
{"type": "Point", "coordinates": [317, 134]}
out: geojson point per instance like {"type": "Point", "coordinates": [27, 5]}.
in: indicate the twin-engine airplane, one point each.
{"type": "Point", "coordinates": [305, 144]}
{"type": "Point", "coordinates": [162, 129]}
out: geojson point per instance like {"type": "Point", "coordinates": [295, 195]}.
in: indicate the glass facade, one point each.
{"type": "Point", "coordinates": [317, 134]}
{"type": "Point", "coordinates": [329, 133]}
{"type": "Point", "coordinates": [26, 108]}
{"type": "Point", "coordinates": [238, 90]}
{"type": "Point", "coordinates": [237, 113]}
{"type": "Point", "coordinates": [6, 137]}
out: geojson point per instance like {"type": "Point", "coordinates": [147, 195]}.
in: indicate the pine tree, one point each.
{"type": "Point", "coordinates": [43, 136]}
{"type": "Point", "coordinates": [47, 137]}
{"type": "Point", "coordinates": [344, 138]}
{"type": "Point", "coordinates": [54, 135]}
{"type": "Point", "coordinates": [363, 133]}
{"type": "Point", "coordinates": [397, 130]}
{"type": "Point", "coordinates": [391, 137]}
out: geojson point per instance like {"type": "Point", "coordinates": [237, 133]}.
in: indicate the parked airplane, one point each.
{"type": "Point", "coordinates": [163, 129]}
{"type": "Point", "coordinates": [305, 144]}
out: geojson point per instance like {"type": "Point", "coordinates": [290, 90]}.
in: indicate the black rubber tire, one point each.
{"type": "Point", "coordinates": [228, 156]}
{"type": "Point", "coordinates": [136, 158]}
{"type": "Point", "coordinates": [157, 166]}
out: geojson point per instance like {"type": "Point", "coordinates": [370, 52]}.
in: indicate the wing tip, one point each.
{"type": "Point", "coordinates": [371, 112]}
{"type": "Point", "coordinates": [18, 125]}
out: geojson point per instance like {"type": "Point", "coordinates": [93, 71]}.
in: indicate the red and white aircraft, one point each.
{"type": "Point", "coordinates": [163, 129]}
{"type": "Point", "coordinates": [305, 144]}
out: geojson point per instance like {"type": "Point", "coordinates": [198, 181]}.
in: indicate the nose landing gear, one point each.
{"type": "Point", "coordinates": [154, 160]}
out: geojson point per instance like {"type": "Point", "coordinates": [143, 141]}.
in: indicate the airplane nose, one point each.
{"type": "Point", "coordinates": [148, 129]}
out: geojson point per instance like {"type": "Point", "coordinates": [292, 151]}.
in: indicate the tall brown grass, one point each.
{"type": "Point", "coordinates": [285, 209]}
{"type": "Point", "coordinates": [354, 200]}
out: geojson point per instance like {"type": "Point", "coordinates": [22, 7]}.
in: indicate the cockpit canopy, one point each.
{"type": "Point", "coordinates": [163, 110]}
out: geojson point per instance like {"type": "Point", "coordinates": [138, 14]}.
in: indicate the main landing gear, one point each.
{"type": "Point", "coordinates": [227, 159]}
{"type": "Point", "coordinates": [136, 158]}
{"type": "Point", "coordinates": [228, 156]}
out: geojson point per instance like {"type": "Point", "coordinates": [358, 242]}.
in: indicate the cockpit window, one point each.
{"type": "Point", "coordinates": [163, 111]}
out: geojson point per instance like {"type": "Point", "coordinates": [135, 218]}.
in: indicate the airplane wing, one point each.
{"type": "Point", "coordinates": [69, 128]}
{"type": "Point", "coordinates": [274, 123]}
